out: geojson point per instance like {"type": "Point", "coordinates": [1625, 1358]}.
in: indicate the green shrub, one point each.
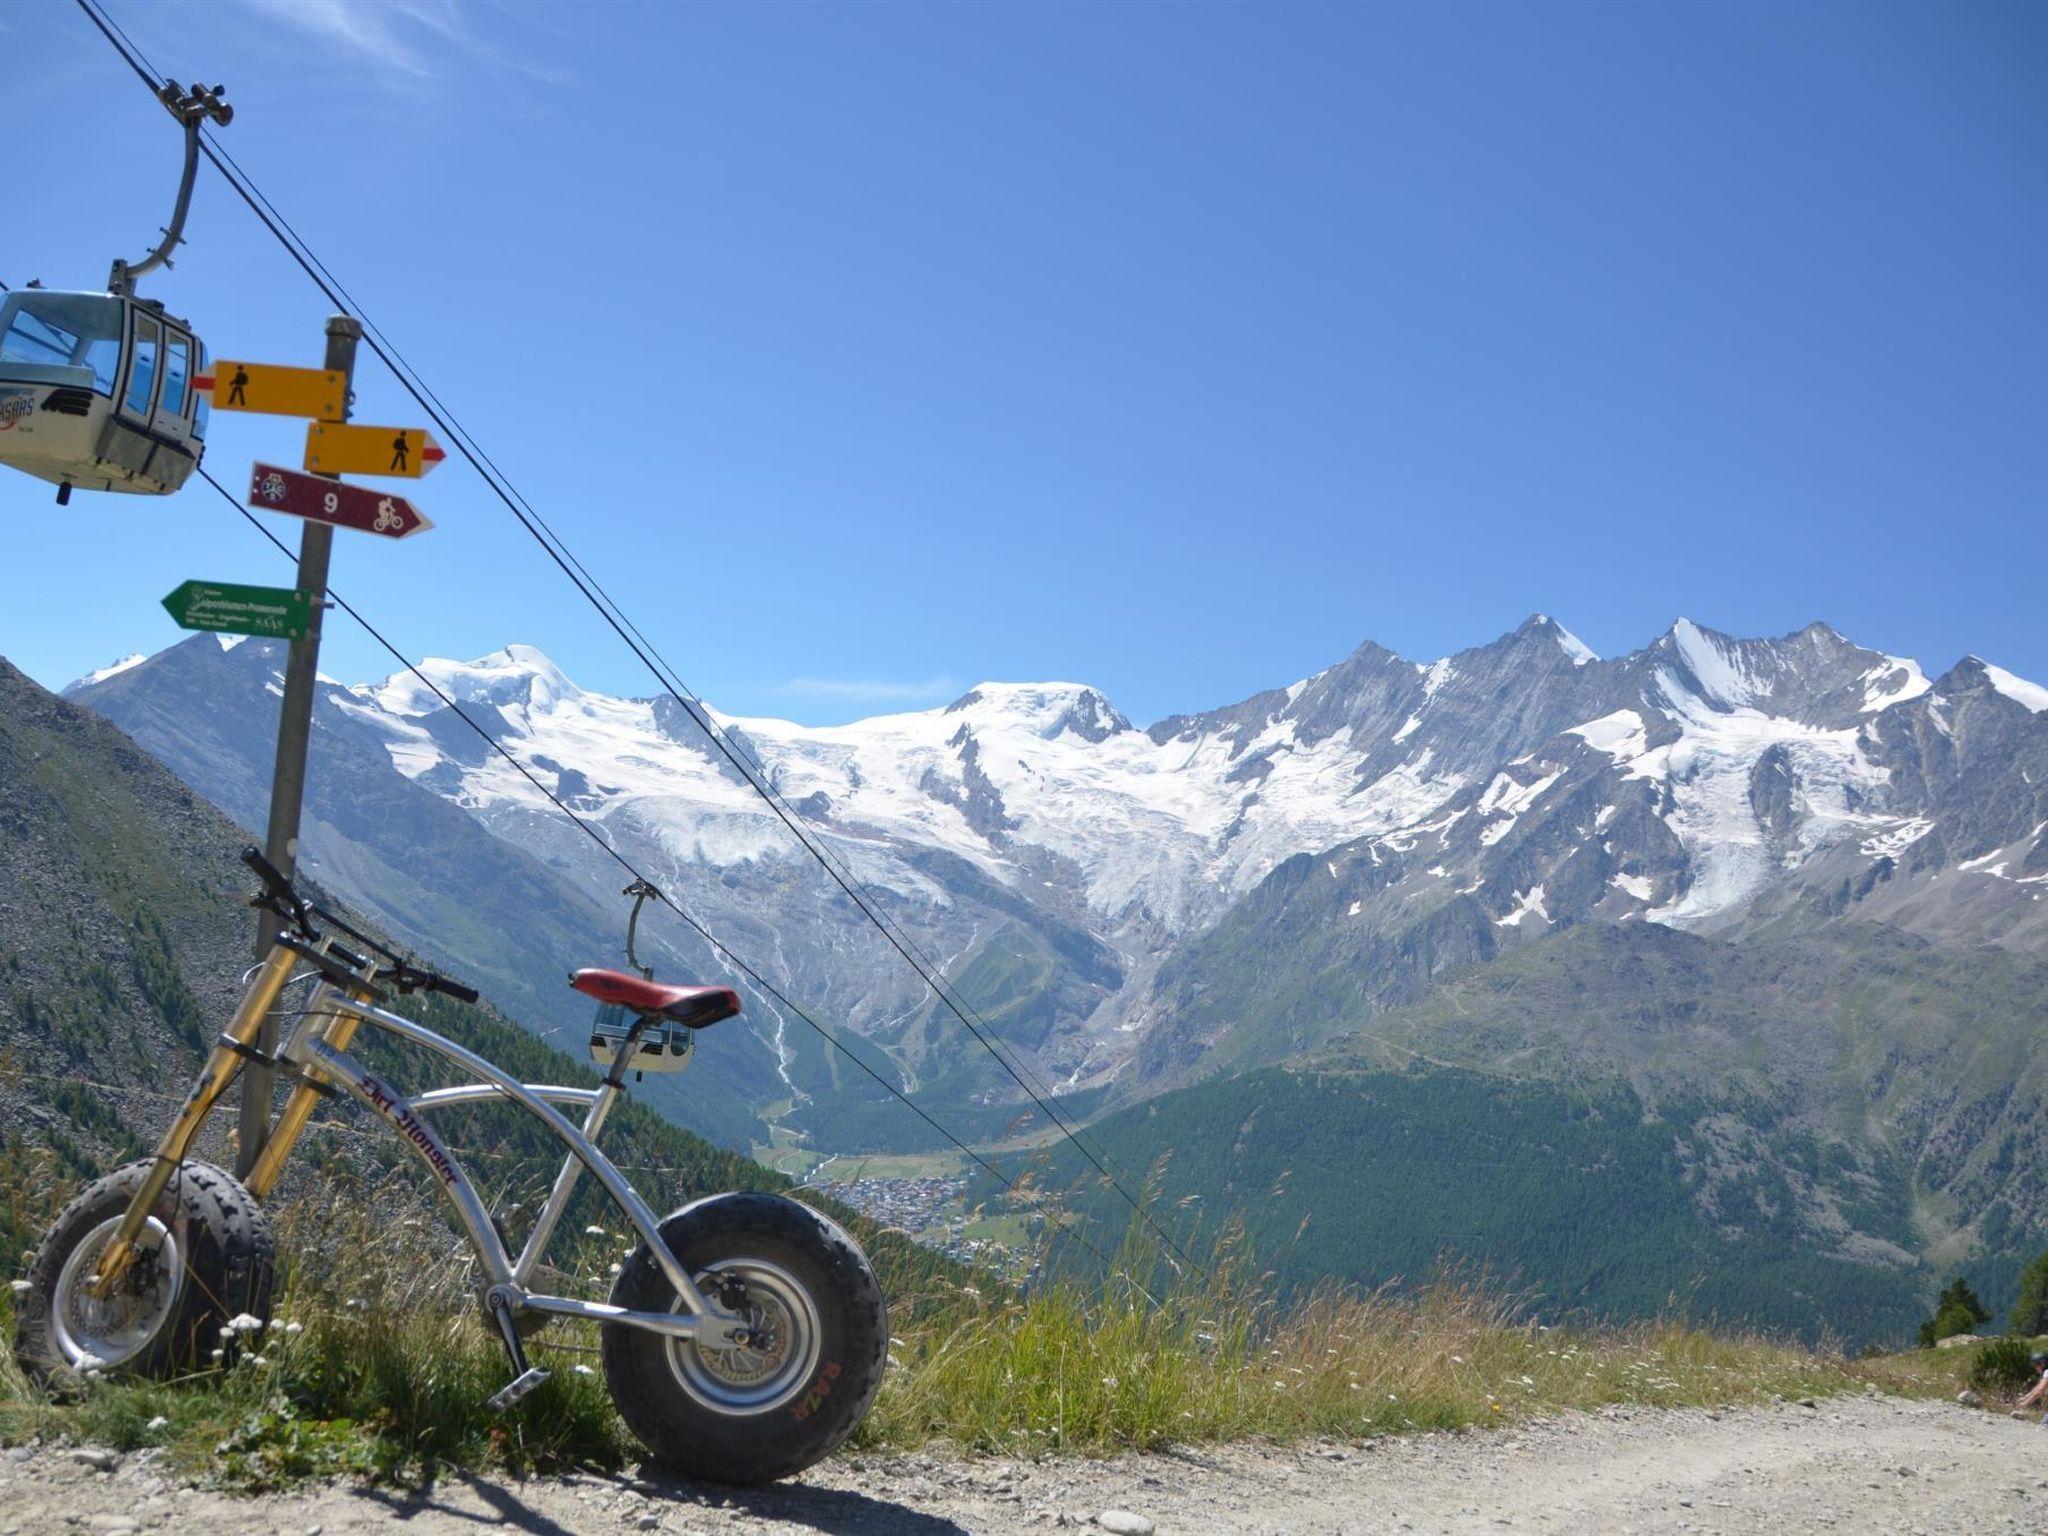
{"type": "Point", "coordinates": [2003, 1366]}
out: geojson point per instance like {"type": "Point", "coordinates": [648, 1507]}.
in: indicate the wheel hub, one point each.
{"type": "Point", "coordinates": [93, 1331]}
{"type": "Point", "coordinates": [767, 1360]}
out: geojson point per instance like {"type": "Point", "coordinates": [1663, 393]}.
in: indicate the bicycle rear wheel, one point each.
{"type": "Point", "coordinates": [791, 1395]}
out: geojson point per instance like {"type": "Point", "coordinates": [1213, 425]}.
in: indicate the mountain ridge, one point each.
{"type": "Point", "coordinates": [1030, 835]}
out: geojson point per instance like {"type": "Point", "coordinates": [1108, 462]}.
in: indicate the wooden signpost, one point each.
{"type": "Point", "coordinates": [321, 503]}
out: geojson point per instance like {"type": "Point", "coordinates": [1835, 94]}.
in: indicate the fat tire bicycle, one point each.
{"type": "Point", "coordinates": [744, 1337]}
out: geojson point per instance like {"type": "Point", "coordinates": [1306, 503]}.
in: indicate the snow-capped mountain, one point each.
{"type": "Point", "coordinates": [1082, 880]}
{"type": "Point", "coordinates": [1042, 786]}
{"type": "Point", "coordinates": [1718, 785]}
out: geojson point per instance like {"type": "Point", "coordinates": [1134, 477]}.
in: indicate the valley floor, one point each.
{"type": "Point", "coordinates": [1867, 1464]}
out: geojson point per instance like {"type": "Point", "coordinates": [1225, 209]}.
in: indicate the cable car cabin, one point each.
{"type": "Point", "coordinates": [96, 392]}
{"type": "Point", "coordinates": [663, 1046]}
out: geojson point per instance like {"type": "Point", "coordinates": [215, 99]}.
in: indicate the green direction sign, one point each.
{"type": "Point", "coordinates": [269, 613]}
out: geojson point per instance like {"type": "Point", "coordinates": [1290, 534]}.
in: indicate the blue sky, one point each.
{"type": "Point", "coordinates": [870, 350]}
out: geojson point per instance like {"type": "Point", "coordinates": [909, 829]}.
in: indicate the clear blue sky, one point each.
{"type": "Point", "coordinates": [869, 350]}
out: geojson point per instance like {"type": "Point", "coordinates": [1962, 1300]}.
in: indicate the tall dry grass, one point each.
{"type": "Point", "coordinates": [1097, 1371]}
{"type": "Point", "coordinates": [377, 1363]}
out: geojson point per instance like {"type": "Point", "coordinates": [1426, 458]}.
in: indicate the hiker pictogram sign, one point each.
{"type": "Point", "coordinates": [335, 448]}
{"type": "Point", "coordinates": [274, 390]}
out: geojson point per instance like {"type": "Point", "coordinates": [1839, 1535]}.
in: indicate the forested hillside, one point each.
{"type": "Point", "coordinates": [1810, 1133]}
{"type": "Point", "coordinates": [1575, 1197]}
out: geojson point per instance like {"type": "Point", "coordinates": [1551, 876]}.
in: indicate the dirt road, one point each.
{"type": "Point", "coordinates": [1866, 1465]}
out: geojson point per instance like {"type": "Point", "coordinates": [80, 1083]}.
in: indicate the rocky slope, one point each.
{"type": "Point", "coordinates": [1727, 787]}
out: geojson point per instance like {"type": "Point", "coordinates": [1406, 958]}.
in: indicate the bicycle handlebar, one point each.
{"type": "Point", "coordinates": [279, 896]}
{"type": "Point", "coordinates": [411, 978]}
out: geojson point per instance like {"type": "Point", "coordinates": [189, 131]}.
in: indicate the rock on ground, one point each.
{"type": "Point", "coordinates": [1849, 1464]}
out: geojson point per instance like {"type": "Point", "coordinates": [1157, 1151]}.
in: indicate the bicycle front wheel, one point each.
{"type": "Point", "coordinates": [208, 1257]}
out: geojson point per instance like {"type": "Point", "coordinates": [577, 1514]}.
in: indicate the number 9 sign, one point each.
{"type": "Point", "coordinates": [334, 503]}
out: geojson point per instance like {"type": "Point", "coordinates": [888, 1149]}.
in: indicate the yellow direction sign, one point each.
{"type": "Point", "coordinates": [320, 393]}
{"type": "Point", "coordinates": [337, 448]}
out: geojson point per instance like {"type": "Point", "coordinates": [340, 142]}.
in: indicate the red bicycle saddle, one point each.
{"type": "Point", "coordinates": [692, 1007]}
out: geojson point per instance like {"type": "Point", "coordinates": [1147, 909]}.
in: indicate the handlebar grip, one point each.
{"type": "Point", "coordinates": [266, 871]}
{"type": "Point", "coordinates": [454, 989]}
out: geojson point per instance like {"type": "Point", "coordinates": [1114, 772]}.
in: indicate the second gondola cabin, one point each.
{"type": "Point", "coordinates": [96, 392]}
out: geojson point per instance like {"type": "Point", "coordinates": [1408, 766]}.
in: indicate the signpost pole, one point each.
{"type": "Point", "coordinates": [288, 783]}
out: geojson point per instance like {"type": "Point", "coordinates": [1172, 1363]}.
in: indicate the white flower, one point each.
{"type": "Point", "coordinates": [595, 1232]}
{"type": "Point", "coordinates": [1109, 1381]}
{"type": "Point", "coordinates": [582, 1370]}
{"type": "Point", "coordinates": [20, 1287]}
{"type": "Point", "coordinates": [155, 1424]}
{"type": "Point", "coordinates": [244, 1322]}
{"type": "Point", "coordinates": [88, 1361]}
{"type": "Point", "coordinates": [258, 1360]}
{"type": "Point", "coordinates": [294, 1327]}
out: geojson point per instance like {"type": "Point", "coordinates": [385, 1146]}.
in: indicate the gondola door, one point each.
{"type": "Point", "coordinates": [141, 367]}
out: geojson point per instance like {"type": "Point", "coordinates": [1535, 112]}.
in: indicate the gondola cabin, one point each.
{"type": "Point", "coordinates": [96, 391]}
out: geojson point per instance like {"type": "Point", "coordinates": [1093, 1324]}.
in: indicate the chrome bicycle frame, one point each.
{"type": "Point", "coordinates": [309, 1050]}
{"type": "Point", "coordinates": [344, 999]}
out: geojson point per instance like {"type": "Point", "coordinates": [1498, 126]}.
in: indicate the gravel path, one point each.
{"type": "Point", "coordinates": [1867, 1465]}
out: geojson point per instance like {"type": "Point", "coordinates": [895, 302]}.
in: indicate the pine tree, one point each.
{"type": "Point", "coordinates": [2030, 1312]}
{"type": "Point", "coordinates": [1956, 1311]}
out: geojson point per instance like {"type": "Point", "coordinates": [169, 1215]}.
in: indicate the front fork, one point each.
{"type": "Point", "coordinates": [235, 1044]}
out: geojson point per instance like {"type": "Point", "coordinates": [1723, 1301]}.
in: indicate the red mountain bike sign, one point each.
{"type": "Point", "coordinates": [273, 489]}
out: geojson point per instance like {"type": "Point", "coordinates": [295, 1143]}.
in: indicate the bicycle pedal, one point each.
{"type": "Point", "coordinates": [517, 1388]}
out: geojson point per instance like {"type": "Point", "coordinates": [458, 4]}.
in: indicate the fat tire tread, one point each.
{"type": "Point", "coordinates": [230, 1267]}
{"type": "Point", "coordinates": [685, 1436]}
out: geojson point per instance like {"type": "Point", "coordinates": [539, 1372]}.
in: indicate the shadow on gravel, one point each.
{"type": "Point", "coordinates": [828, 1510]}
{"type": "Point", "coordinates": [501, 1506]}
